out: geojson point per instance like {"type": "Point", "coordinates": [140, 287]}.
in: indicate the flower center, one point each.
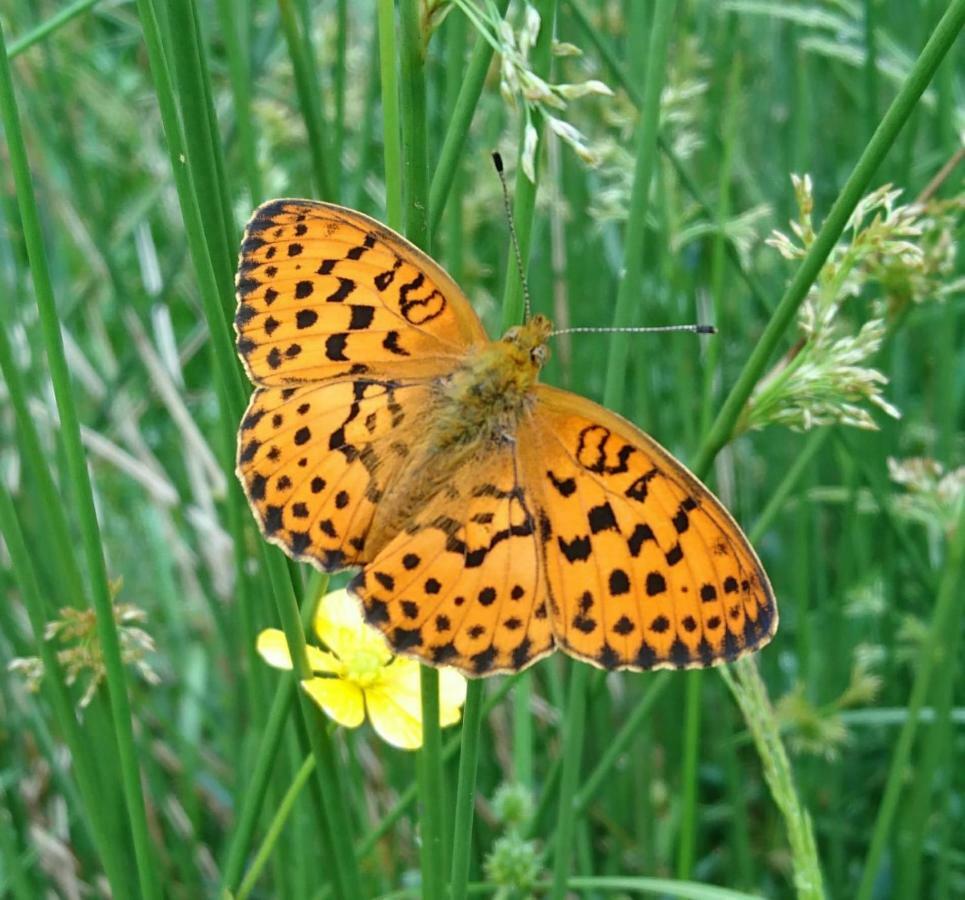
{"type": "Point", "coordinates": [364, 668]}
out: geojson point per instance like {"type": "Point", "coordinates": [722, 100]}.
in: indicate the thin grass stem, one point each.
{"type": "Point", "coordinates": [457, 131]}
{"type": "Point", "coordinates": [45, 29]}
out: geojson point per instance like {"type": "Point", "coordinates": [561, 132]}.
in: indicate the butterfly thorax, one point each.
{"type": "Point", "coordinates": [475, 408]}
{"type": "Point", "coordinates": [488, 394]}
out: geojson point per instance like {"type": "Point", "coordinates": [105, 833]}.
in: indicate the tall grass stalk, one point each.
{"type": "Point", "coordinates": [744, 681]}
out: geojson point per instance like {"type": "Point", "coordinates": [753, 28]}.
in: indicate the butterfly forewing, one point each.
{"type": "Point", "coordinates": [645, 567]}
{"type": "Point", "coordinates": [315, 460]}
{"type": "Point", "coordinates": [324, 291]}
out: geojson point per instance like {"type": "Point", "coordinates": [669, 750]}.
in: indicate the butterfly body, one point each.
{"type": "Point", "coordinates": [493, 518]}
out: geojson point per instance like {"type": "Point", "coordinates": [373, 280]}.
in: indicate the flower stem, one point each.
{"type": "Point", "coordinates": [306, 84]}
{"type": "Point", "coordinates": [466, 789]}
{"type": "Point", "coordinates": [430, 787]}
{"type": "Point", "coordinates": [744, 681]}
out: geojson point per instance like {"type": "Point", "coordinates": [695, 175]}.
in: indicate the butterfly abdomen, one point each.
{"type": "Point", "coordinates": [474, 410]}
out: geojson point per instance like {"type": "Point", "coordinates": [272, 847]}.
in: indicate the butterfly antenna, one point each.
{"type": "Point", "coordinates": [653, 329]}
{"type": "Point", "coordinates": [498, 163]}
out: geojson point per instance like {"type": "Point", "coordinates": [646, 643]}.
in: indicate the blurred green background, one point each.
{"type": "Point", "coordinates": [857, 526]}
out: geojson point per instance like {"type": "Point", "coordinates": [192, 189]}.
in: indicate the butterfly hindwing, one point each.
{"type": "Point", "coordinates": [315, 459]}
{"type": "Point", "coordinates": [325, 291]}
{"type": "Point", "coordinates": [645, 567]}
{"type": "Point", "coordinates": [462, 585]}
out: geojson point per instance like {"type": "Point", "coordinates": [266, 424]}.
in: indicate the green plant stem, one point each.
{"type": "Point", "coordinates": [628, 293]}
{"type": "Point", "coordinates": [778, 497]}
{"type": "Point", "coordinates": [466, 788]}
{"type": "Point", "coordinates": [524, 192]}
{"type": "Point", "coordinates": [613, 398]}
{"type": "Point", "coordinates": [409, 795]}
{"type": "Point", "coordinates": [341, 49]}
{"type": "Point", "coordinates": [415, 214]}
{"type": "Point", "coordinates": [257, 784]}
{"type": "Point", "coordinates": [687, 832]}
{"type": "Point", "coordinates": [234, 32]}
{"type": "Point", "coordinates": [414, 119]}
{"type": "Point", "coordinates": [870, 67]}
{"type": "Point", "coordinates": [390, 114]}
{"type": "Point", "coordinates": [335, 818]}
{"type": "Point", "coordinates": [932, 653]}
{"type": "Point", "coordinates": [657, 684]}
{"type": "Point", "coordinates": [203, 145]}
{"type": "Point", "coordinates": [81, 489]}
{"type": "Point", "coordinates": [749, 691]}
{"type": "Point", "coordinates": [275, 828]}
{"type": "Point", "coordinates": [430, 787]}
{"type": "Point", "coordinates": [457, 131]}
{"type": "Point", "coordinates": [881, 490]}
{"type": "Point", "coordinates": [881, 142]}
{"type": "Point", "coordinates": [306, 84]}
{"type": "Point", "coordinates": [31, 451]}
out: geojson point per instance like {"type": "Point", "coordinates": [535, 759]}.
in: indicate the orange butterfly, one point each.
{"type": "Point", "coordinates": [494, 518]}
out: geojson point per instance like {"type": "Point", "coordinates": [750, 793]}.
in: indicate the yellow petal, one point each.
{"type": "Point", "coordinates": [401, 679]}
{"type": "Point", "coordinates": [273, 649]}
{"type": "Point", "coordinates": [341, 700]}
{"type": "Point", "coordinates": [452, 695]}
{"type": "Point", "coordinates": [340, 627]}
{"type": "Point", "coordinates": [392, 721]}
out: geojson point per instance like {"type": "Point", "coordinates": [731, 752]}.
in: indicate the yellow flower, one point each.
{"type": "Point", "coordinates": [358, 673]}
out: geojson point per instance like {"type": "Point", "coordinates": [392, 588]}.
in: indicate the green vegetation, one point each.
{"type": "Point", "coordinates": [790, 172]}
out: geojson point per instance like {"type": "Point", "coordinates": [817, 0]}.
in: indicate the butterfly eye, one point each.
{"type": "Point", "coordinates": [511, 335]}
{"type": "Point", "coordinates": [538, 355]}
